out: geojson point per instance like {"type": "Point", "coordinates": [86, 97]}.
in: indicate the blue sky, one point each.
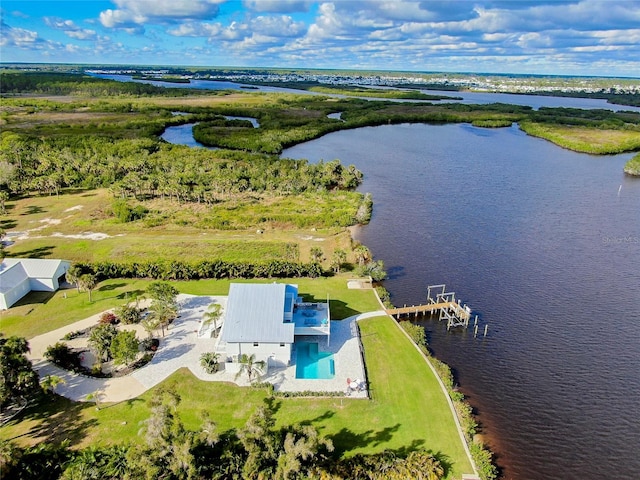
{"type": "Point", "coordinates": [572, 37]}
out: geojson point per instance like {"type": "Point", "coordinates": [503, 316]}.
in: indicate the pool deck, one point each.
{"type": "Point", "coordinates": [182, 347]}
{"type": "Point", "coordinates": [344, 346]}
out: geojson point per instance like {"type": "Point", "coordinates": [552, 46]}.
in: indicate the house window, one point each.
{"type": "Point", "coordinates": [282, 344]}
{"type": "Point", "coordinates": [255, 344]}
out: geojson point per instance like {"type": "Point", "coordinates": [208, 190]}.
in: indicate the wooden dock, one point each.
{"type": "Point", "coordinates": [451, 307]}
{"type": "Point", "coordinates": [444, 302]}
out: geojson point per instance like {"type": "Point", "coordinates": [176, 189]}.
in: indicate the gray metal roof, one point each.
{"type": "Point", "coordinates": [39, 267]}
{"type": "Point", "coordinates": [255, 313]}
{"type": "Point", "coordinates": [11, 275]}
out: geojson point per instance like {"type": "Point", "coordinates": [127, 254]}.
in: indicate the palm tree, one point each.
{"type": "Point", "coordinates": [50, 382]}
{"type": "Point", "coordinates": [73, 275]}
{"type": "Point", "coordinates": [338, 258]}
{"type": "Point", "coordinates": [87, 464]}
{"type": "Point", "coordinates": [213, 314]}
{"type": "Point", "coordinates": [209, 361]}
{"type": "Point", "coordinates": [116, 463]}
{"type": "Point", "coordinates": [17, 378]}
{"type": "Point", "coordinates": [149, 324]}
{"type": "Point", "coordinates": [87, 282]}
{"type": "Point", "coordinates": [94, 397]}
{"type": "Point", "coordinates": [362, 253]}
{"type": "Point", "coordinates": [161, 313]}
{"type": "Point", "coordinates": [249, 365]}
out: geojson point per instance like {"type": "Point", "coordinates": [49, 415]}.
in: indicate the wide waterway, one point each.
{"type": "Point", "coordinates": [542, 243]}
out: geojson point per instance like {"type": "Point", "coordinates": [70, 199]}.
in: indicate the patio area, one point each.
{"type": "Point", "coordinates": [182, 347]}
{"type": "Point", "coordinates": [344, 346]}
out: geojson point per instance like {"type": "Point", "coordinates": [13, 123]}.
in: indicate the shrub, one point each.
{"type": "Point", "coordinates": [416, 332]}
{"type": "Point", "coordinates": [128, 314]}
{"type": "Point", "coordinates": [209, 361]}
{"type": "Point", "coordinates": [125, 213]}
{"type": "Point", "coordinates": [150, 344]}
{"type": "Point", "coordinates": [483, 459]}
{"type": "Point", "coordinates": [374, 269]}
{"type": "Point", "coordinates": [75, 334]}
{"type": "Point", "coordinates": [64, 357]}
{"type": "Point", "coordinates": [108, 318]}
{"type": "Point", "coordinates": [124, 347]}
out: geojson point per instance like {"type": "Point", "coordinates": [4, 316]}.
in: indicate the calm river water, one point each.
{"type": "Point", "coordinates": [542, 243]}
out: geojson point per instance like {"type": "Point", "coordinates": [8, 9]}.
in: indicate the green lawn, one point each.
{"type": "Point", "coordinates": [407, 409]}
{"type": "Point", "coordinates": [40, 312]}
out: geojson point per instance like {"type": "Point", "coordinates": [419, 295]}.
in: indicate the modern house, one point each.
{"type": "Point", "coordinates": [265, 319]}
{"type": "Point", "coordinates": [19, 276]}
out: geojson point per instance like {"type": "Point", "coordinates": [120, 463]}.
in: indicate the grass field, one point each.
{"type": "Point", "coordinates": [407, 409]}
{"type": "Point", "coordinates": [79, 227]}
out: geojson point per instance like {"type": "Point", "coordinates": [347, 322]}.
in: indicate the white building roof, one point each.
{"type": "Point", "coordinates": [12, 274]}
{"type": "Point", "coordinates": [36, 267]}
{"type": "Point", "coordinates": [255, 313]}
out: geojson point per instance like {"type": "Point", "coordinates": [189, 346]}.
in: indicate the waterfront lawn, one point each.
{"type": "Point", "coordinates": [407, 410]}
{"type": "Point", "coordinates": [40, 312]}
{"type": "Point", "coordinates": [342, 301]}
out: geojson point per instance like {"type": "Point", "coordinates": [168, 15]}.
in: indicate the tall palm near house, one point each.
{"type": "Point", "coordinates": [87, 282]}
{"type": "Point", "coordinates": [161, 313]}
{"type": "Point", "coordinates": [212, 315]}
{"type": "Point", "coordinates": [73, 275]}
{"type": "Point", "coordinates": [250, 366]}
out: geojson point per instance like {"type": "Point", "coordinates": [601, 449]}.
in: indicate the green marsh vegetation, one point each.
{"type": "Point", "coordinates": [358, 91]}
{"type": "Point", "coordinates": [587, 131]}
{"type": "Point", "coordinates": [632, 167]}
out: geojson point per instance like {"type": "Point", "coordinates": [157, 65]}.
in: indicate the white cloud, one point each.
{"type": "Point", "coordinates": [132, 15]}
{"type": "Point", "coordinates": [278, 6]}
{"type": "Point", "coordinates": [18, 37]}
{"type": "Point", "coordinates": [281, 26]}
{"type": "Point", "coordinates": [70, 29]}
{"type": "Point", "coordinates": [193, 29]}
{"type": "Point", "coordinates": [260, 30]}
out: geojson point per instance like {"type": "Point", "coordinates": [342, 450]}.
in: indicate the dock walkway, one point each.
{"type": "Point", "coordinates": [444, 302]}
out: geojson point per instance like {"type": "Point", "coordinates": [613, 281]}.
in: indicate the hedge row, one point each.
{"type": "Point", "coordinates": [178, 270]}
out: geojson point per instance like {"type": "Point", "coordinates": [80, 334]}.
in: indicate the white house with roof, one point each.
{"type": "Point", "coordinates": [19, 276]}
{"type": "Point", "coordinates": [264, 320]}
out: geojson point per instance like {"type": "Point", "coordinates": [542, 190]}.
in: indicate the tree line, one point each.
{"type": "Point", "coordinates": [214, 269]}
{"type": "Point", "coordinates": [257, 450]}
{"type": "Point", "coordinates": [75, 84]}
{"type": "Point", "coordinates": [146, 168]}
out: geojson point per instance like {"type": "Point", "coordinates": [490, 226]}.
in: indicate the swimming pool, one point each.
{"type": "Point", "coordinates": [310, 363]}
